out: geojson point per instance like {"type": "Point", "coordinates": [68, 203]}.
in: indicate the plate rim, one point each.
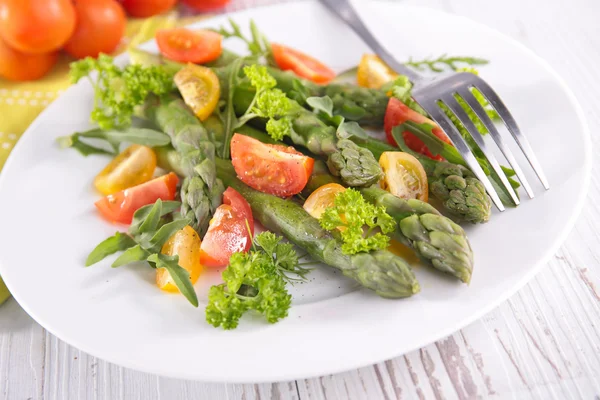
{"type": "Point", "coordinates": [431, 338]}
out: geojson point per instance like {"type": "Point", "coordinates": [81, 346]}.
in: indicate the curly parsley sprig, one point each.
{"type": "Point", "coordinates": [363, 226]}
{"type": "Point", "coordinates": [118, 90]}
{"type": "Point", "coordinates": [255, 281]}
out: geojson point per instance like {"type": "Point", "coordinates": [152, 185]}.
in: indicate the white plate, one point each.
{"type": "Point", "coordinates": [48, 226]}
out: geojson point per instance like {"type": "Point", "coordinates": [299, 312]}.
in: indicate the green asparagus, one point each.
{"type": "Point", "coordinates": [201, 191]}
{"type": "Point", "coordinates": [385, 273]}
{"type": "Point", "coordinates": [435, 239]}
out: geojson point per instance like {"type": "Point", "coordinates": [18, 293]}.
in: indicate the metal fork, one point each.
{"type": "Point", "coordinates": [430, 93]}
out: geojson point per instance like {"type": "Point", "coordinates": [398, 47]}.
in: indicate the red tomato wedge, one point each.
{"type": "Point", "coordinates": [184, 45]}
{"type": "Point", "coordinates": [301, 64]}
{"type": "Point", "coordinates": [270, 168]}
{"type": "Point", "coordinates": [119, 207]}
{"type": "Point", "coordinates": [228, 232]}
{"type": "Point", "coordinates": [398, 113]}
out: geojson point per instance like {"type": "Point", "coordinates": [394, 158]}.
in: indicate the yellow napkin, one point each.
{"type": "Point", "coordinates": [21, 102]}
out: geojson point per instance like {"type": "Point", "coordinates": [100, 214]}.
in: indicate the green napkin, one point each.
{"type": "Point", "coordinates": [4, 294]}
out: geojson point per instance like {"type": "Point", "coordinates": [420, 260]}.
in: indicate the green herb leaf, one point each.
{"type": "Point", "coordinates": [164, 233]}
{"type": "Point", "coordinates": [364, 225]}
{"type": "Point", "coordinates": [83, 148]}
{"type": "Point", "coordinates": [117, 91]}
{"type": "Point", "coordinates": [321, 104]}
{"type": "Point", "coordinates": [348, 129]}
{"type": "Point", "coordinates": [132, 254]}
{"type": "Point", "coordinates": [230, 121]}
{"type": "Point", "coordinates": [180, 275]}
{"type": "Point", "coordinates": [150, 222]}
{"type": "Point", "coordinates": [118, 242]}
{"type": "Point", "coordinates": [142, 213]}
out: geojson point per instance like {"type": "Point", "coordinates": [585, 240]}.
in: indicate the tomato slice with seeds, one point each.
{"type": "Point", "coordinates": [119, 207]}
{"type": "Point", "coordinates": [184, 45]}
{"type": "Point", "coordinates": [270, 168]}
{"type": "Point", "coordinates": [301, 64]}
{"type": "Point", "coordinates": [398, 113]}
{"type": "Point", "coordinates": [228, 231]}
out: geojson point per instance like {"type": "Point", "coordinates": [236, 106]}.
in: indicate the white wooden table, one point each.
{"type": "Point", "coordinates": [544, 342]}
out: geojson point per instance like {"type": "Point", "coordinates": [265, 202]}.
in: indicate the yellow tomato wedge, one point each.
{"type": "Point", "coordinates": [200, 89]}
{"type": "Point", "coordinates": [322, 198]}
{"type": "Point", "coordinates": [134, 166]}
{"type": "Point", "coordinates": [373, 72]}
{"type": "Point", "coordinates": [403, 176]}
{"type": "Point", "coordinates": [403, 251]}
{"type": "Point", "coordinates": [185, 244]}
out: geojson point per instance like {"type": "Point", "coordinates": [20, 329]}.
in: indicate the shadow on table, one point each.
{"type": "Point", "coordinates": [12, 317]}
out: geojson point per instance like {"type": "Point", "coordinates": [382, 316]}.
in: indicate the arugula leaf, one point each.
{"type": "Point", "coordinates": [139, 217]}
{"type": "Point", "coordinates": [352, 215]}
{"type": "Point", "coordinates": [141, 136]}
{"type": "Point", "coordinates": [132, 254]}
{"type": "Point", "coordinates": [180, 275]}
{"type": "Point", "coordinates": [323, 106]}
{"type": "Point", "coordinates": [163, 234]}
{"type": "Point", "coordinates": [118, 242]}
{"type": "Point", "coordinates": [147, 235]}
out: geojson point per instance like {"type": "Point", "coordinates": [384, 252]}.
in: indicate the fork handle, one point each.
{"type": "Point", "coordinates": [346, 12]}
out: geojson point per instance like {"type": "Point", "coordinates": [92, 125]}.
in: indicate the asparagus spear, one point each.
{"type": "Point", "coordinates": [385, 273]}
{"type": "Point", "coordinates": [435, 239]}
{"type": "Point", "coordinates": [457, 188]}
{"type": "Point", "coordinates": [201, 191]}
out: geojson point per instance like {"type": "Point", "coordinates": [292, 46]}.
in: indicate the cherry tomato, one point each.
{"type": "Point", "coordinates": [397, 113]}
{"type": "Point", "coordinates": [185, 244]}
{"type": "Point", "coordinates": [270, 168]}
{"type": "Point", "coordinates": [18, 66]}
{"type": "Point", "coordinates": [99, 29]}
{"type": "Point", "coordinates": [206, 5]}
{"type": "Point", "coordinates": [199, 87]}
{"type": "Point", "coordinates": [228, 231]}
{"type": "Point", "coordinates": [34, 26]}
{"type": "Point", "coordinates": [147, 8]}
{"type": "Point", "coordinates": [134, 166]}
{"type": "Point", "coordinates": [373, 72]}
{"type": "Point", "coordinates": [322, 198]}
{"type": "Point", "coordinates": [184, 45]}
{"type": "Point", "coordinates": [403, 176]}
{"type": "Point", "coordinates": [119, 207]}
{"type": "Point", "coordinates": [301, 64]}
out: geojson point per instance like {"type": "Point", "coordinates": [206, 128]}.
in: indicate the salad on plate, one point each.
{"type": "Point", "coordinates": [263, 165]}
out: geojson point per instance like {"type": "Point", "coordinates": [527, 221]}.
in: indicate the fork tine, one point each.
{"type": "Point", "coordinates": [458, 111]}
{"type": "Point", "coordinates": [489, 124]}
{"type": "Point", "coordinates": [511, 124]}
{"type": "Point", "coordinates": [442, 120]}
